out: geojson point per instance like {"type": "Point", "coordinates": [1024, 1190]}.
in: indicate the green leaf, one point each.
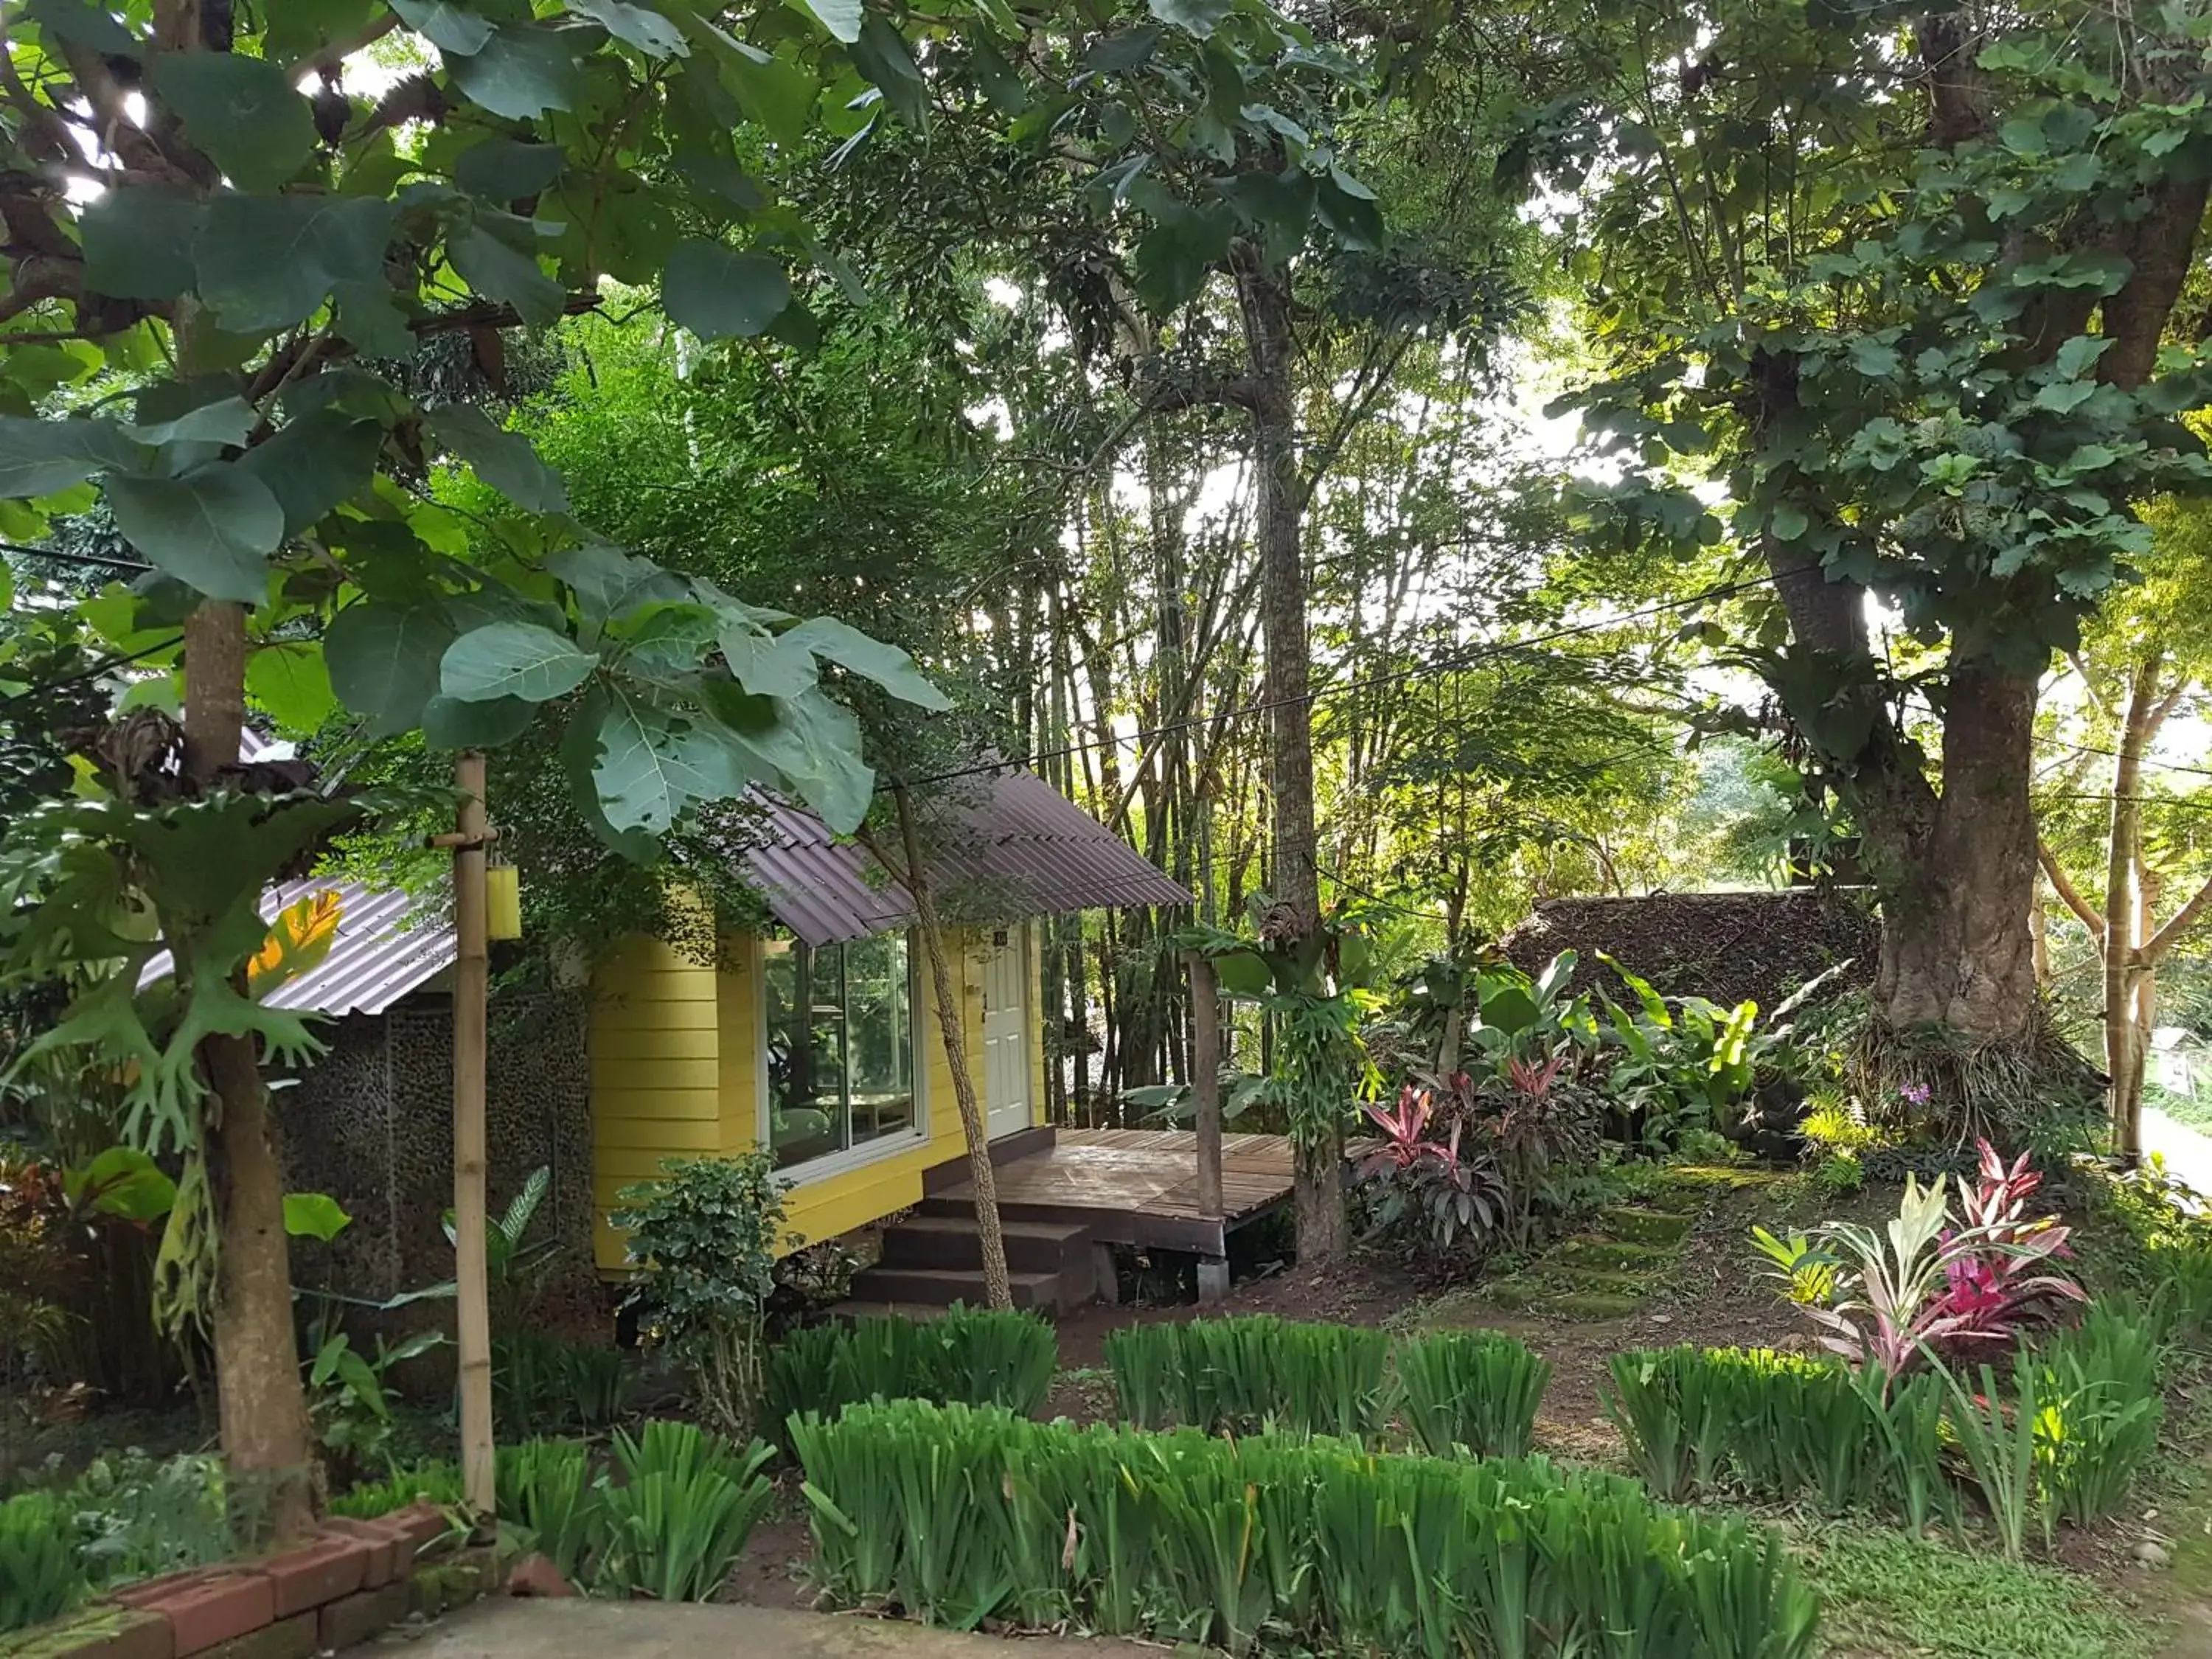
{"type": "Point", "coordinates": [38, 458]}
{"type": "Point", "coordinates": [314, 1215]}
{"type": "Point", "coordinates": [446, 24]}
{"type": "Point", "coordinates": [313, 464]}
{"type": "Point", "coordinates": [497, 269]}
{"type": "Point", "coordinates": [887, 664]}
{"type": "Point", "coordinates": [1789, 523]}
{"type": "Point", "coordinates": [221, 421]}
{"type": "Point", "coordinates": [1198, 17]}
{"type": "Point", "coordinates": [1173, 258]}
{"type": "Point", "coordinates": [841, 18]}
{"type": "Point", "coordinates": [641, 26]}
{"type": "Point", "coordinates": [766, 664]}
{"type": "Point", "coordinates": [1117, 54]}
{"type": "Point", "coordinates": [213, 528]}
{"type": "Point", "coordinates": [266, 262]}
{"type": "Point", "coordinates": [451, 723]}
{"type": "Point", "coordinates": [608, 582]}
{"type": "Point", "coordinates": [242, 110]}
{"type": "Point", "coordinates": [82, 23]}
{"type": "Point", "coordinates": [717, 292]}
{"type": "Point", "coordinates": [138, 242]}
{"type": "Point", "coordinates": [1351, 214]}
{"type": "Point", "coordinates": [367, 320]}
{"type": "Point", "coordinates": [383, 660]}
{"type": "Point", "coordinates": [505, 170]}
{"type": "Point", "coordinates": [121, 1181]}
{"type": "Point", "coordinates": [2079, 355]}
{"type": "Point", "coordinates": [524, 70]}
{"type": "Point", "coordinates": [815, 747]}
{"type": "Point", "coordinates": [505, 460]}
{"type": "Point", "coordinates": [780, 96]}
{"type": "Point", "coordinates": [513, 659]}
{"type": "Point", "coordinates": [288, 681]}
{"type": "Point", "coordinates": [883, 56]}
{"type": "Point", "coordinates": [644, 775]}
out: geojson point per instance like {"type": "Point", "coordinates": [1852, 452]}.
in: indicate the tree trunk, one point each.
{"type": "Point", "coordinates": [1264, 297]}
{"type": "Point", "coordinates": [1957, 952]}
{"type": "Point", "coordinates": [997, 1284]}
{"type": "Point", "coordinates": [2124, 931]}
{"type": "Point", "coordinates": [262, 1401]}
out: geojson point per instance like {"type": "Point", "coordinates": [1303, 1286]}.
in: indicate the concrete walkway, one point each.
{"type": "Point", "coordinates": [2188, 1152]}
{"type": "Point", "coordinates": [505, 1629]}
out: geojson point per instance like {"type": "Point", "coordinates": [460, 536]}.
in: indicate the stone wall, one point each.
{"type": "Point", "coordinates": [371, 1124]}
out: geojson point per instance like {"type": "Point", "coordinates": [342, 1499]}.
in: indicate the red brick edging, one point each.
{"type": "Point", "coordinates": [352, 1580]}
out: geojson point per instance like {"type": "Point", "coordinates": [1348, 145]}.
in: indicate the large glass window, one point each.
{"type": "Point", "coordinates": [840, 1045]}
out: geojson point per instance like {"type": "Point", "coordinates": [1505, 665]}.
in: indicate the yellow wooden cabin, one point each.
{"type": "Point", "coordinates": [819, 1037]}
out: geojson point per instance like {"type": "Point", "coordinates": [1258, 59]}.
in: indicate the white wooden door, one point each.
{"type": "Point", "coordinates": [1006, 1036]}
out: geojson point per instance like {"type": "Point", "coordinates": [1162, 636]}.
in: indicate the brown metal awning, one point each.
{"type": "Point", "coordinates": [1002, 847]}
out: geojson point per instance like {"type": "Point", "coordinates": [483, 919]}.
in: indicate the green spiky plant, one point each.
{"type": "Point", "coordinates": [679, 1518]}
{"type": "Point", "coordinates": [41, 1569]}
{"type": "Point", "coordinates": [1476, 1390]}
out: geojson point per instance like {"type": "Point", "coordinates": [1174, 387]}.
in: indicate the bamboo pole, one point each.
{"type": "Point", "coordinates": [1206, 1079]}
{"type": "Point", "coordinates": [471, 984]}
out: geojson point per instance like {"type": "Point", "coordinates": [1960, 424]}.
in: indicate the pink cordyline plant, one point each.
{"type": "Point", "coordinates": [1531, 1079]}
{"type": "Point", "coordinates": [1403, 1126]}
{"type": "Point", "coordinates": [1924, 1284]}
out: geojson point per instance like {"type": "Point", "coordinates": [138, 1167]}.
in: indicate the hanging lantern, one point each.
{"type": "Point", "coordinates": [503, 902]}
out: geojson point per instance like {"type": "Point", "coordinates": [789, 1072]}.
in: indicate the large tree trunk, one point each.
{"type": "Point", "coordinates": [1264, 296]}
{"type": "Point", "coordinates": [1956, 951]}
{"type": "Point", "coordinates": [261, 1399]}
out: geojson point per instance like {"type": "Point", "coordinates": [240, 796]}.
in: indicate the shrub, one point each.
{"type": "Point", "coordinates": [1243, 1373]}
{"type": "Point", "coordinates": [679, 1517]}
{"type": "Point", "coordinates": [1928, 1285]}
{"type": "Point", "coordinates": [704, 1240]}
{"type": "Point", "coordinates": [1475, 1389]}
{"type": "Point", "coordinates": [434, 1482]}
{"type": "Point", "coordinates": [546, 1487]}
{"type": "Point", "coordinates": [977, 1355]}
{"type": "Point", "coordinates": [41, 1568]}
{"type": "Point", "coordinates": [1701, 1422]}
{"type": "Point", "coordinates": [142, 1516]}
{"type": "Point", "coordinates": [2101, 1410]}
{"type": "Point", "coordinates": [958, 1515]}
{"type": "Point", "coordinates": [541, 1381]}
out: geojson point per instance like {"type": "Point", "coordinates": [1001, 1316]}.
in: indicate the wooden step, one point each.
{"type": "Point", "coordinates": [940, 1287]}
{"type": "Point", "coordinates": [951, 1240]}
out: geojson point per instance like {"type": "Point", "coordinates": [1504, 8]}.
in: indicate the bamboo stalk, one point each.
{"type": "Point", "coordinates": [471, 984]}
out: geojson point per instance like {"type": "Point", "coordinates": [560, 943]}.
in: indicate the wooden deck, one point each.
{"type": "Point", "coordinates": [1140, 1185]}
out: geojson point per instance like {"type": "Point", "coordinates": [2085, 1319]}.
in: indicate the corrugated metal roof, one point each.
{"type": "Point", "coordinates": [389, 943]}
{"type": "Point", "coordinates": [1008, 847]}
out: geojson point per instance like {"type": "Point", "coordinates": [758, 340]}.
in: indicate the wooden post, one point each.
{"type": "Point", "coordinates": [1205, 1087]}
{"type": "Point", "coordinates": [1206, 1079]}
{"type": "Point", "coordinates": [472, 982]}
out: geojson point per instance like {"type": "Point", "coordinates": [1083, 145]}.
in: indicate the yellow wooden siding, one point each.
{"type": "Point", "coordinates": [694, 1084]}
{"type": "Point", "coordinates": [1038, 1015]}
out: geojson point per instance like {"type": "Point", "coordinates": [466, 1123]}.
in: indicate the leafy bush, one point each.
{"type": "Point", "coordinates": [546, 1487]}
{"type": "Point", "coordinates": [1929, 1286]}
{"type": "Point", "coordinates": [540, 1380]}
{"type": "Point", "coordinates": [977, 1355]}
{"type": "Point", "coordinates": [1254, 1370]}
{"type": "Point", "coordinates": [41, 1569]}
{"type": "Point", "coordinates": [2102, 1408]}
{"type": "Point", "coordinates": [435, 1482]}
{"type": "Point", "coordinates": [703, 1239]}
{"type": "Point", "coordinates": [678, 1519]}
{"type": "Point", "coordinates": [1416, 1184]}
{"type": "Point", "coordinates": [1472, 1389]}
{"type": "Point", "coordinates": [140, 1517]}
{"type": "Point", "coordinates": [1703, 1422]}
{"type": "Point", "coordinates": [959, 1515]}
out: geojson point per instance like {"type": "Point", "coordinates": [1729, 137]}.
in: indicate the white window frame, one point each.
{"type": "Point", "coordinates": [848, 1158]}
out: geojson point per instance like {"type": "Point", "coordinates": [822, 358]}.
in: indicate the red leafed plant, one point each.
{"type": "Point", "coordinates": [1929, 1285]}
{"type": "Point", "coordinates": [1412, 1179]}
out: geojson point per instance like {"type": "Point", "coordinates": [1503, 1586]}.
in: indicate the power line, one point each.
{"type": "Point", "coordinates": [94, 560]}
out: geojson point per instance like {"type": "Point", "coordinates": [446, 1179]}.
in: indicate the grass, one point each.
{"type": "Point", "coordinates": [1884, 1593]}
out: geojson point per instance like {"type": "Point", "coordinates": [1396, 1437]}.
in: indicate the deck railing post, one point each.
{"type": "Point", "coordinates": [1205, 1088]}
